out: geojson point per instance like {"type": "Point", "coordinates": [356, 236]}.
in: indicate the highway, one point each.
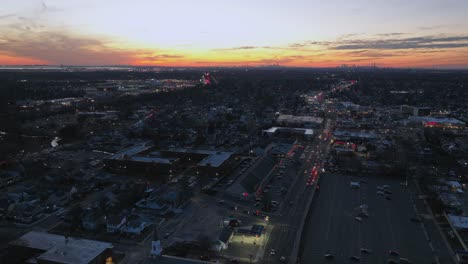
{"type": "Point", "coordinates": [286, 226]}
{"type": "Point", "coordinates": [332, 227]}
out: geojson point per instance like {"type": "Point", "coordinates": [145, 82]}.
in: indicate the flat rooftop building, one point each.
{"type": "Point", "coordinates": [51, 248]}
{"type": "Point", "coordinates": [307, 133]}
{"type": "Point", "coordinates": [445, 122]}
{"type": "Point", "coordinates": [362, 135]}
{"type": "Point", "coordinates": [303, 121]}
{"type": "Point", "coordinates": [140, 158]}
{"type": "Point", "coordinates": [211, 158]}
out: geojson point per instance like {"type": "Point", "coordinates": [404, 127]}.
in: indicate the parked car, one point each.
{"type": "Point", "coordinates": [366, 251]}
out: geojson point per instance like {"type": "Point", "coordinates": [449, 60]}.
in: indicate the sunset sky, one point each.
{"type": "Point", "coordinates": [311, 33]}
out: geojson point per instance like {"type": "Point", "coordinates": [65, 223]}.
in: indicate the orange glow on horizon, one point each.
{"type": "Point", "coordinates": [256, 57]}
{"type": "Point", "coordinates": [325, 59]}
{"type": "Point", "coordinates": [12, 60]}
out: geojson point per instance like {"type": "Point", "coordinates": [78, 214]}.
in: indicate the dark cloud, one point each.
{"type": "Point", "coordinates": [393, 34]}
{"type": "Point", "coordinates": [293, 46]}
{"type": "Point", "coordinates": [427, 42]}
{"type": "Point", "coordinates": [387, 41]}
{"type": "Point", "coordinates": [298, 45]}
{"type": "Point", "coordinates": [61, 48]}
{"type": "Point", "coordinates": [373, 53]}
{"type": "Point", "coordinates": [280, 60]}
{"type": "Point", "coordinates": [160, 57]}
{"type": "Point", "coordinates": [240, 48]}
{"type": "Point", "coordinates": [308, 44]}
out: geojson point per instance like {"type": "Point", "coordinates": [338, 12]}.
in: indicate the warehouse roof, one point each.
{"type": "Point", "coordinates": [59, 249]}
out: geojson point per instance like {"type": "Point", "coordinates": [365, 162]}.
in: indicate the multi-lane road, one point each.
{"type": "Point", "coordinates": [288, 223]}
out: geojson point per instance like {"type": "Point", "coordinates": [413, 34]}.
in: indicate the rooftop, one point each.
{"type": "Point", "coordinates": [441, 120]}
{"type": "Point", "coordinates": [214, 158]}
{"type": "Point", "coordinates": [304, 131]}
{"type": "Point", "coordinates": [61, 250]}
{"type": "Point", "coordinates": [131, 151]}
{"type": "Point", "coordinates": [357, 134]}
{"type": "Point", "coordinates": [153, 159]}
{"type": "Point", "coordinates": [298, 119]}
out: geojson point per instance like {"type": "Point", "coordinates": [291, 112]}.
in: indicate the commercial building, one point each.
{"type": "Point", "coordinates": [45, 248]}
{"type": "Point", "coordinates": [306, 133]}
{"type": "Point", "coordinates": [140, 158]}
{"type": "Point", "coordinates": [254, 230]}
{"type": "Point", "coordinates": [299, 121]}
{"type": "Point", "coordinates": [440, 122]}
{"type": "Point", "coordinates": [144, 158]}
{"type": "Point", "coordinates": [415, 111]}
{"type": "Point", "coordinates": [208, 161]}
{"type": "Point", "coordinates": [354, 136]}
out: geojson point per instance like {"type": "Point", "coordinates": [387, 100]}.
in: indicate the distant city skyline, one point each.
{"type": "Point", "coordinates": [299, 33]}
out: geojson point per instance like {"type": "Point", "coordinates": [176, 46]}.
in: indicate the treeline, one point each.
{"type": "Point", "coordinates": [425, 88]}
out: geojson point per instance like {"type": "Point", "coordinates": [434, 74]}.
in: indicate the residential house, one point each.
{"type": "Point", "coordinates": [161, 200]}
{"type": "Point", "coordinates": [92, 219]}
{"type": "Point", "coordinates": [134, 226]}
{"type": "Point", "coordinates": [115, 223]}
{"type": "Point", "coordinates": [224, 238]}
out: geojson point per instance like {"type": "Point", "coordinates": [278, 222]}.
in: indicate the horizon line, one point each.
{"type": "Point", "coordinates": [435, 67]}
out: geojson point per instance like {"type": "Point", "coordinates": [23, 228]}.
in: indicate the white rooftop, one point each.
{"type": "Point", "coordinates": [305, 131]}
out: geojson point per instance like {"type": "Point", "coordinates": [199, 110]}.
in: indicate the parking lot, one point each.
{"type": "Point", "coordinates": [332, 227]}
